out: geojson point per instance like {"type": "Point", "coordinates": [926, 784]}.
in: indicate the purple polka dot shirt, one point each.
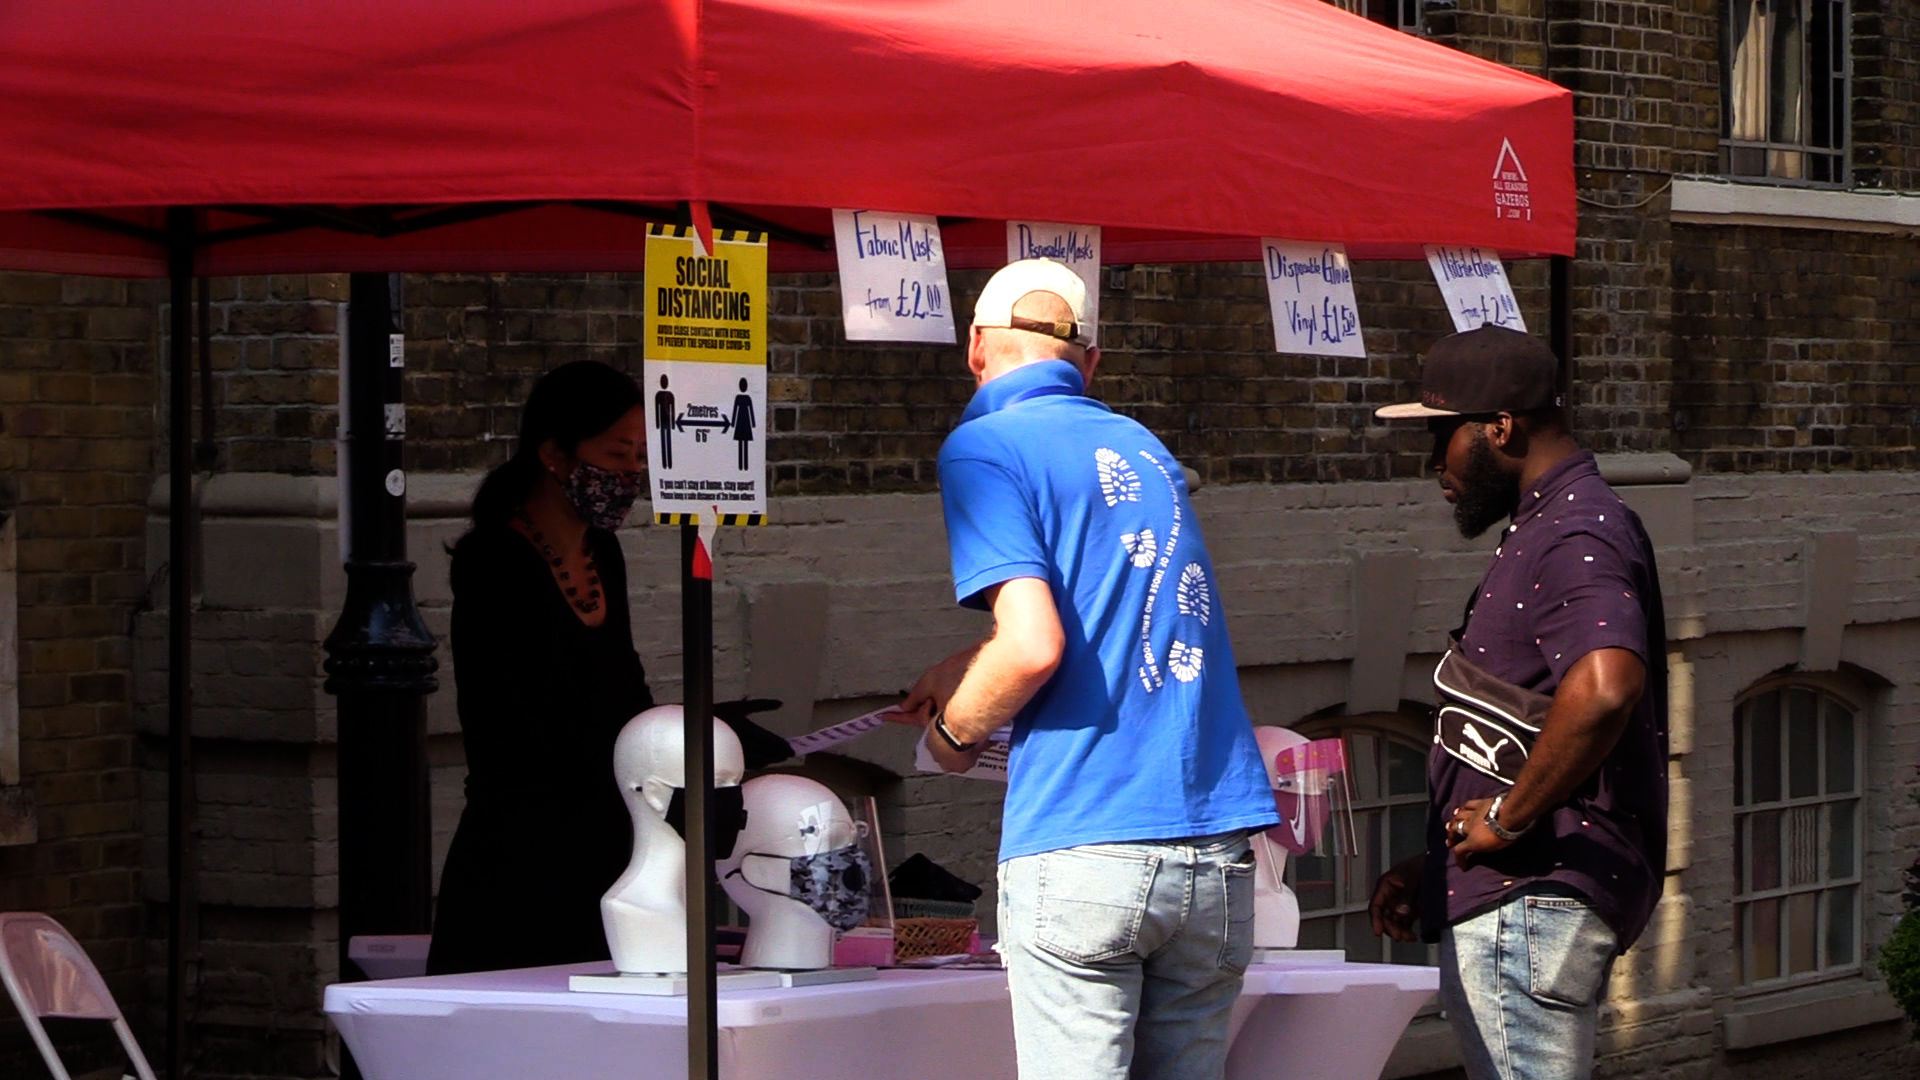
{"type": "Point", "coordinates": [1574, 573]}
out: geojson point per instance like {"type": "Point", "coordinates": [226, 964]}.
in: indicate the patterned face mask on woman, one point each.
{"type": "Point", "coordinates": [832, 883]}
{"type": "Point", "coordinates": [600, 496]}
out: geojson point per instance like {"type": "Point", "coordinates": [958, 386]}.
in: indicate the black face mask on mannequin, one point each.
{"type": "Point", "coordinates": [729, 817]}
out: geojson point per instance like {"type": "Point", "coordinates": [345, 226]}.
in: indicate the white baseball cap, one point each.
{"type": "Point", "coordinates": [1017, 279]}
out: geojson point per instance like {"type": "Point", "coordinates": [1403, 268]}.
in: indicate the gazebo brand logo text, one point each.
{"type": "Point", "coordinates": [1512, 195]}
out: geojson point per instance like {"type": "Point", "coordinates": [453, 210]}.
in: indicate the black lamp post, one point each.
{"type": "Point", "coordinates": [380, 660]}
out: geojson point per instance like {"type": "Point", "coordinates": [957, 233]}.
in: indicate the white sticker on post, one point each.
{"type": "Point", "coordinates": [1475, 286]}
{"type": "Point", "coordinates": [1310, 287]}
{"type": "Point", "coordinates": [1078, 246]}
{"type": "Point", "coordinates": [893, 277]}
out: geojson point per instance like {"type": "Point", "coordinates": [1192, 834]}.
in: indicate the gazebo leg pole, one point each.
{"type": "Point", "coordinates": [179, 631]}
{"type": "Point", "coordinates": [696, 637]}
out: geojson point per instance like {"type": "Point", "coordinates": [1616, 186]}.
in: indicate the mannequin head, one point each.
{"type": "Point", "coordinates": [649, 762]}
{"type": "Point", "coordinates": [1272, 740]}
{"type": "Point", "coordinates": [1276, 911]}
{"type": "Point", "coordinates": [798, 838]}
{"type": "Point", "coordinates": [645, 913]}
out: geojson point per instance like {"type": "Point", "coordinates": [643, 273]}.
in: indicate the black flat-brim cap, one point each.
{"type": "Point", "coordinates": [1489, 370]}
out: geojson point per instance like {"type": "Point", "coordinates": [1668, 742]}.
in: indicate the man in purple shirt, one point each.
{"type": "Point", "coordinates": [1546, 836]}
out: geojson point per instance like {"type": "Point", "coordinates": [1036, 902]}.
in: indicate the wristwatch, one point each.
{"type": "Point", "coordinates": [940, 725]}
{"type": "Point", "coordinates": [1493, 822]}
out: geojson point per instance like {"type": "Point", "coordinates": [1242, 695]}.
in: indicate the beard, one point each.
{"type": "Point", "coordinates": [1486, 496]}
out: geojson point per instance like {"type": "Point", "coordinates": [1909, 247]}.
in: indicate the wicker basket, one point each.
{"type": "Point", "coordinates": [907, 907]}
{"type": "Point", "coordinates": [914, 938]}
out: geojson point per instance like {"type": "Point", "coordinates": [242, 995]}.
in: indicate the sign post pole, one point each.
{"type": "Point", "coordinates": [696, 636]}
{"type": "Point", "coordinates": [706, 385]}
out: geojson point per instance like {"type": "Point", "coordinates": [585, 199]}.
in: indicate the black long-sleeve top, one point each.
{"type": "Point", "coordinates": [542, 697]}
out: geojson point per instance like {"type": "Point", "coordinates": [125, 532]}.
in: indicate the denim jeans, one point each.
{"type": "Point", "coordinates": [1522, 986]}
{"type": "Point", "coordinates": [1125, 959]}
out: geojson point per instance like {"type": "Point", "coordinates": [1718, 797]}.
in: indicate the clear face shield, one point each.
{"type": "Point", "coordinates": [1311, 794]}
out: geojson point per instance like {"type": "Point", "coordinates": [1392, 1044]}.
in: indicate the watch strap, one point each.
{"type": "Point", "coordinates": [940, 726]}
{"type": "Point", "coordinates": [1506, 835]}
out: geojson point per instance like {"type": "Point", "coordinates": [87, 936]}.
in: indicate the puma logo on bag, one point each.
{"type": "Point", "coordinates": [1476, 706]}
{"type": "Point", "coordinates": [1489, 755]}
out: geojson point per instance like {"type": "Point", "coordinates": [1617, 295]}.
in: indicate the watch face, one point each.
{"type": "Point", "coordinates": [940, 725]}
{"type": "Point", "coordinates": [1493, 821]}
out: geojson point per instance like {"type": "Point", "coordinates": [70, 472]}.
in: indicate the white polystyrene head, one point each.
{"type": "Point", "coordinates": [787, 817]}
{"type": "Point", "coordinates": [649, 757]}
{"type": "Point", "coordinates": [1272, 740]}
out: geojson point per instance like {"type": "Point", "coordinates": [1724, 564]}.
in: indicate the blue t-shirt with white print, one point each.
{"type": "Point", "coordinates": [1141, 733]}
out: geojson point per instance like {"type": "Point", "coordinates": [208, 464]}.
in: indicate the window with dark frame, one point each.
{"type": "Point", "coordinates": [1399, 14]}
{"type": "Point", "coordinates": [1389, 774]}
{"type": "Point", "coordinates": [1797, 837]}
{"type": "Point", "coordinates": [1784, 90]}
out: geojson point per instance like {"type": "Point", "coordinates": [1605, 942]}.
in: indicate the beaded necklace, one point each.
{"type": "Point", "coordinates": [587, 604]}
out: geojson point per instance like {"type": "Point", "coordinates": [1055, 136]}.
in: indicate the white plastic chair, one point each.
{"type": "Point", "coordinates": [47, 973]}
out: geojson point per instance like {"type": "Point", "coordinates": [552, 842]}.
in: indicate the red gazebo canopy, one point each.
{"type": "Point", "coordinates": [505, 135]}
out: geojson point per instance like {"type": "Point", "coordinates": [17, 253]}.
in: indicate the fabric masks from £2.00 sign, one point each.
{"type": "Point", "coordinates": [729, 817]}
{"type": "Point", "coordinates": [832, 883]}
{"type": "Point", "coordinates": [600, 496]}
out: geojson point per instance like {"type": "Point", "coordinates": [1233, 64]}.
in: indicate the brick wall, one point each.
{"type": "Point", "coordinates": [1886, 94]}
{"type": "Point", "coordinates": [77, 453]}
{"type": "Point", "coordinates": [1796, 350]}
{"type": "Point", "coordinates": [1697, 50]}
{"type": "Point", "coordinates": [275, 361]}
{"type": "Point", "coordinates": [1187, 350]}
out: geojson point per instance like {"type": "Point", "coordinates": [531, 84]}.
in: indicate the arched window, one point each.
{"type": "Point", "coordinates": [1387, 754]}
{"type": "Point", "coordinates": [1797, 834]}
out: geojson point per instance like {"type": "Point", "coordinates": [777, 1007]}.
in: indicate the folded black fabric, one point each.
{"type": "Point", "coordinates": [761, 747]}
{"type": "Point", "coordinates": [920, 878]}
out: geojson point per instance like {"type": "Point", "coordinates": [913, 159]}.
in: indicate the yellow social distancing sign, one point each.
{"type": "Point", "coordinates": [706, 376]}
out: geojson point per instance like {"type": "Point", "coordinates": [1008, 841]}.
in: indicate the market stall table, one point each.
{"type": "Point", "coordinates": [1293, 1022]}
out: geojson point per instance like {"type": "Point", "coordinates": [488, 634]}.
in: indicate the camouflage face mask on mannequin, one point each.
{"type": "Point", "coordinates": [832, 883]}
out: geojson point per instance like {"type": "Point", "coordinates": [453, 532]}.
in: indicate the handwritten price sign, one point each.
{"type": "Point", "coordinates": [1310, 287]}
{"type": "Point", "coordinates": [1078, 246]}
{"type": "Point", "coordinates": [893, 277]}
{"type": "Point", "coordinates": [1474, 283]}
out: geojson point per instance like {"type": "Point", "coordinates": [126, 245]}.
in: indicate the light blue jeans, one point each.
{"type": "Point", "coordinates": [1522, 986]}
{"type": "Point", "coordinates": [1125, 959]}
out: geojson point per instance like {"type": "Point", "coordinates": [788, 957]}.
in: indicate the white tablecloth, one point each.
{"type": "Point", "coordinates": [1319, 1022]}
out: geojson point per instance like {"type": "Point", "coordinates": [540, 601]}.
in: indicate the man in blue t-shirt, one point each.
{"type": "Point", "coordinates": [1126, 880]}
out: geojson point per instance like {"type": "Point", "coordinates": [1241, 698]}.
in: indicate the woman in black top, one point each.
{"type": "Point", "coordinates": [547, 675]}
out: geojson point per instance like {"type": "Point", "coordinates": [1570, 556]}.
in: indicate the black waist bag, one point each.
{"type": "Point", "coordinates": [1487, 723]}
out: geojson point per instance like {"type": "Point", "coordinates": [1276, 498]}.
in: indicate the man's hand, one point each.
{"type": "Point", "coordinates": [1468, 835]}
{"type": "Point", "coordinates": [935, 688]}
{"type": "Point", "coordinates": [978, 691]}
{"type": "Point", "coordinates": [1394, 910]}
